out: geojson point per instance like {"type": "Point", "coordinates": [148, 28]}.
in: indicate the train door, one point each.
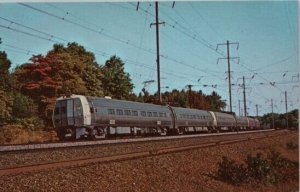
{"type": "Point", "coordinates": [174, 118]}
{"type": "Point", "coordinates": [70, 112]}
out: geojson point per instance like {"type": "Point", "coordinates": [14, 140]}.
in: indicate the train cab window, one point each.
{"type": "Point", "coordinates": [63, 110]}
{"type": "Point", "coordinates": [119, 112]}
{"type": "Point", "coordinates": [78, 111]}
{"type": "Point", "coordinates": [155, 114]}
{"type": "Point", "coordinates": [161, 114]}
{"type": "Point", "coordinates": [111, 111]}
{"type": "Point", "coordinates": [165, 115]}
{"type": "Point", "coordinates": [127, 112]}
{"type": "Point", "coordinates": [194, 117]}
{"type": "Point", "coordinates": [135, 113]}
{"type": "Point", "coordinates": [149, 114]}
{"type": "Point", "coordinates": [143, 113]}
{"type": "Point", "coordinates": [56, 112]}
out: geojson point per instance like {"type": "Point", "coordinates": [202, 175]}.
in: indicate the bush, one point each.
{"type": "Point", "coordinates": [232, 172]}
{"type": "Point", "coordinates": [18, 134]}
{"type": "Point", "coordinates": [266, 169]}
{"type": "Point", "coordinates": [291, 146]}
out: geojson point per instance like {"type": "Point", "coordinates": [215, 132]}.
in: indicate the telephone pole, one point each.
{"type": "Point", "coordinates": [239, 107]}
{"type": "Point", "coordinates": [244, 92]}
{"type": "Point", "coordinates": [286, 110]}
{"type": "Point", "coordinates": [190, 95]}
{"type": "Point", "coordinates": [228, 62]}
{"type": "Point", "coordinates": [256, 110]}
{"type": "Point", "coordinates": [157, 51]}
{"type": "Point", "coordinates": [272, 114]}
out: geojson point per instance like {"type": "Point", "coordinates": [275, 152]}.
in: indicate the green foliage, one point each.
{"type": "Point", "coordinates": [280, 119]}
{"type": "Point", "coordinates": [260, 168]}
{"type": "Point", "coordinates": [23, 106]}
{"type": "Point", "coordinates": [116, 82]}
{"type": "Point", "coordinates": [4, 71]}
{"type": "Point", "coordinates": [271, 169]}
{"type": "Point", "coordinates": [231, 172]}
{"type": "Point", "coordinates": [30, 123]}
{"type": "Point", "coordinates": [215, 102]}
{"type": "Point", "coordinates": [18, 134]}
{"type": "Point", "coordinates": [64, 70]}
{"type": "Point", "coordinates": [6, 103]}
{"type": "Point", "coordinates": [291, 146]}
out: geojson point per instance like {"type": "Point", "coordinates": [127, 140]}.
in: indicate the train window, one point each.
{"type": "Point", "coordinates": [119, 112]}
{"type": "Point", "coordinates": [155, 114]}
{"type": "Point", "coordinates": [143, 113]}
{"type": "Point", "coordinates": [134, 113]}
{"type": "Point", "coordinates": [63, 110]}
{"type": "Point", "coordinates": [149, 114]}
{"type": "Point", "coordinates": [165, 115]}
{"type": "Point", "coordinates": [56, 112]}
{"type": "Point", "coordinates": [127, 112]}
{"type": "Point", "coordinates": [111, 111]}
{"type": "Point", "coordinates": [161, 114]}
{"type": "Point", "coordinates": [194, 117]}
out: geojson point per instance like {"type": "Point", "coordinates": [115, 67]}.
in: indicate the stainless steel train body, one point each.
{"type": "Point", "coordinates": [110, 116]}
{"type": "Point", "coordinates": [78, 116]}
{"type": "Point", "coordinates": [223, 121]}
{"type": "Point", "coordinates": [192, 120]}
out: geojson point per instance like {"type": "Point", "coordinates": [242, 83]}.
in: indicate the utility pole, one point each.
{"type": "Point", "coordinates": [272, 114]}
{"type": "Point", "coordinates": [256, 110]}
{"type": "Point", "coordinates": [239, 107]}
{"type": "Point", "coordinates": [157, 52]}
{"type": "Point", "coordinates": [244, 92]}
{"type": "Point", "coordinates": [286, 110]}
{"type": "Point", "coordinates": [228, 62]}
{"type": "Point", "coordinates": [190, 95]}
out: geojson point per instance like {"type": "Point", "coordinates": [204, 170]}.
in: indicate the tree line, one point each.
{"type": "Point", "coordinates": [28, 92]}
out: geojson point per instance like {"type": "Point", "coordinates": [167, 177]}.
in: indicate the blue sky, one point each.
{"type": "Point", "coordinates": [267, 33]}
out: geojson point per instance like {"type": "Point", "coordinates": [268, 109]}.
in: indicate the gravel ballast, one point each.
{"type": "Point", "coordinates": [192, 170]}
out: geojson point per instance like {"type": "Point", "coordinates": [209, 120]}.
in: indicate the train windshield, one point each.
{"type": "Point", "coordinates": [68, 112]}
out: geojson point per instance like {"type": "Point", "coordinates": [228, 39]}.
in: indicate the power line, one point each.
{"type": "Point", "coordinates": [87, 28]}
{"type": "Point", "coordinates": [25, 51]}
{"type": "Point", "coordinates": [26, 33]}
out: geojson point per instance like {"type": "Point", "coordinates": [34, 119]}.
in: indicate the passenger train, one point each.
{"type": "Point", "coordinates": [78, 116]}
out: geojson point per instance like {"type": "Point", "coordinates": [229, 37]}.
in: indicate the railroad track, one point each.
{"type": "Point", "coordinates": [28, 147]}
{"type": "Point", "coordinates": [127, 156]}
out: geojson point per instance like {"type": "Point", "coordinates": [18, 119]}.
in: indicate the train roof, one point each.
{"type": "Point", "coordinates": [115, 103]}
{"type": "Point", "coordinates": [188, 110]}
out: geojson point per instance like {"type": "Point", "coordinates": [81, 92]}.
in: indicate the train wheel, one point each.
{"type": "Point", "coordinates": [179, 131]}
{"type": "Point", "coordinates": [98, 133]}
{"type": "Point", "coordinates": [163, 131]}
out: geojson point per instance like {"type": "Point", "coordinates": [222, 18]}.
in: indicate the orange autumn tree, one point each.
{"type": "Point", "coordinates": [64, 70]}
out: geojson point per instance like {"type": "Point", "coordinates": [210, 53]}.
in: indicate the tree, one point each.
{"type": "Point", "coordinates": [64, 70]}
{"type": "Point", "coordinates": [199, 101]}
{"type": "Point", "coordinates": [5, 64]}
{"type": "Point", "coordinates": [116, 82]}
{"type": "Point", "coordinates": [6, 99]}
{"type": "Point", "coordinates": [215, 102]}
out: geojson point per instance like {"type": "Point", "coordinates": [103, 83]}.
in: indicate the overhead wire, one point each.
{"type": "Point", "coordinates": [208, 46]}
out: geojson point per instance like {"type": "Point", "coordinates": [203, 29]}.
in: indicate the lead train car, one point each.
{"type": "Point", "coordinates": [79, 116]}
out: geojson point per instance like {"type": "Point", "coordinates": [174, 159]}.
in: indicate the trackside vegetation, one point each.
{"type": "Point", "coordinates": [270, 168]}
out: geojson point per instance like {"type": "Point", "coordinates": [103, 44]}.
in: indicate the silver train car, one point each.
{"type": "Point", "coordinates": [78, 116]}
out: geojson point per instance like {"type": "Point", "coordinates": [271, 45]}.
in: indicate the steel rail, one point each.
{"type": "Point", "coordinates": [7, 148]}
{"type": "Point", "coordinates": [122, 157]}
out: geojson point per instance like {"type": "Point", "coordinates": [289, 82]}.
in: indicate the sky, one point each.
{"type": "Point", "coordinates": [263, 37]}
